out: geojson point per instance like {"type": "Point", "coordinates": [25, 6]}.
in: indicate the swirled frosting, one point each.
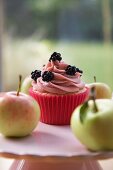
{"type": "Point", "coordinates": [62, 82]}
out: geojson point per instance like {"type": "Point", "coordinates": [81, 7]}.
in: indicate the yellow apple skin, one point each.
{"type": "Point", "coordinates": [19, 115]}
{"type": "Point", "coordinates": [96, 132]}
{"type": "Point", "coordinates": [102, 90]}
{"type": "Point", "coordinates": [26, 84]}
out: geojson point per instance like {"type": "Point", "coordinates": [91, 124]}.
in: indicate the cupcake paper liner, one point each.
{"type": "Point", "coordinates": [57, 109]}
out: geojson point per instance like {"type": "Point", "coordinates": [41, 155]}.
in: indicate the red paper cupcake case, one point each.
{"type": "Point", "coordinates": [57, 110]}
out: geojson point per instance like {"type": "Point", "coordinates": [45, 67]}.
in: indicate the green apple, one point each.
{"type": "Point", "coordinates": [26, 84]}
{"type": "Point", "coordinates": [102, 90]}
{"type": "Point", "coordinates": [92, 124]}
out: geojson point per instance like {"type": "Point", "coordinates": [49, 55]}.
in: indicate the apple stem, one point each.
{"type": "Point", "coordinates": [95, 107]}
{"type": "Point", "coordinates": [93, 98]}
{"type": "Point", "coordinates": [95, 79]}
{"type": "Point", "coordinates": [19, 84]}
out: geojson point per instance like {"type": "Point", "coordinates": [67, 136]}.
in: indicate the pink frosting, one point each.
{"type": "Point", "coordinates": [62, 83]}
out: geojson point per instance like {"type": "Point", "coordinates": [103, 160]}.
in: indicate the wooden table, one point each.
{"type": "Point", "coordinates": [50, 147]}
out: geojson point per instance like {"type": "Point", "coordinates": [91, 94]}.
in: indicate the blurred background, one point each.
{"type": "Point", "coordinates": [31, 30]}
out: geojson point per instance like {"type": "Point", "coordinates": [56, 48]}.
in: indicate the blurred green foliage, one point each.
{"type": "Point", "coordinates": [56, 19]}
{"type": "Point", "coordinates": [95, 59]}
{"type": "Point", "coordinates": [36, 28]}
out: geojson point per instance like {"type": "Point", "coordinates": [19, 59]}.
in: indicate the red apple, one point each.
{"type": "Point", "coordinates": [19, 113]}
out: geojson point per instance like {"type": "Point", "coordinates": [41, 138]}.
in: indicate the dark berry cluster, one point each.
{"type": "Point", "coordinates": [71, 70]}
{"type": "Point", "coordinates": [55, 56]}
{"type": "Point", "coordinates": [47, 76]}
{"type": "Point", "coordinates": [35, 74]}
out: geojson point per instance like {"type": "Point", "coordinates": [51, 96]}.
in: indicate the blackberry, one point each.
{"type": "Point", "coordinates": [35, 74]}
{"type": "Point", "coordinates": [70, 70]}
{"type": "Point", "coordinates": [55, 56]}
{"type": "Point", "coordinates": [78, 70]}
{"type": "Point", "coordinates": [47, 76]}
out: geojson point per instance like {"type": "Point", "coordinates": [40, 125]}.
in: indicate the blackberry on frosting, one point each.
{"type": "Point", "coordinates": [55, 56]}
{"type": "Point", "coordinates": [35, 74]}
{"type": "Point", "coordinates": [71, 70]}
{"type": "Point", "coordinates": [47, 76]}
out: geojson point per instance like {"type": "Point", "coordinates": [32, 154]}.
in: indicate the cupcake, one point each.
{"type": "Point", "coordinates": [58, 89]}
